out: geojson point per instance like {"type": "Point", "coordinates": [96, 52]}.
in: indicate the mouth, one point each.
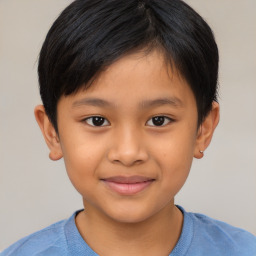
{"type": "Point", "coordinates": [128, 185]}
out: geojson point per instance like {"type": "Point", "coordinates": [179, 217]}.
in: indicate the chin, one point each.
{"type": "Point", "coordinates": [130, 219]}
{"type": "Point", "coordinates": [130, 216]}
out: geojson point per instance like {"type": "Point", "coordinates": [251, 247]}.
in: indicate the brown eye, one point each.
{"type": "Point", "coordinates": [97, 121]}
{"type": "Point", "coordinates": [159, 121]}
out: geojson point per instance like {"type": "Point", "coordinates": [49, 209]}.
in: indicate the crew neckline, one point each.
{"type": "Point", "coordinates": [78, 246]}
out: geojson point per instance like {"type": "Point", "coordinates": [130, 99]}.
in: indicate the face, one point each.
{"type": "Point", "coordinates": [128, 141]}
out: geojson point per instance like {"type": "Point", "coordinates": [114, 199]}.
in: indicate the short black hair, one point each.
{"type": "Point", "coordinates": [90, 35]}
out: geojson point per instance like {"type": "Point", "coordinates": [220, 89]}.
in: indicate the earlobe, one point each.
{"type": "Point", "coordinates": [206, 130]}
{"type": "Point", "coordinates": [49, 133]}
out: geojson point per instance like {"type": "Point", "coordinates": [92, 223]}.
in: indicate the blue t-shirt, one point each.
{"type": "Point", "coordinates": [200, 235]}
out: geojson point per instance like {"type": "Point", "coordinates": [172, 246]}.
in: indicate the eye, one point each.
{"type": "Point", "coordinates": [159, 121]}
{"type": "Point", "coordinates": [96, 121]}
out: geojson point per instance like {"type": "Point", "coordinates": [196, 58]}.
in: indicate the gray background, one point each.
{"type": "Point", "coordinates": [35, 192]}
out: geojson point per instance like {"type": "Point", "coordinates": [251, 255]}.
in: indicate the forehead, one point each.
{"type": "Point", "coordinates": [136, 78]}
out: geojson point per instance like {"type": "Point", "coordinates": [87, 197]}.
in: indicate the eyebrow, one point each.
{"type": "Point", "coordinates": [92, 102]}
{"type": "Point", "coordinates": [97, 102]}
{"type": "Point", "coordinates": [173, 101]}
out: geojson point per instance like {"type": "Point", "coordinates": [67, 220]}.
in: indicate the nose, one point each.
{"type": "Point", "coordinates": [127, 148]}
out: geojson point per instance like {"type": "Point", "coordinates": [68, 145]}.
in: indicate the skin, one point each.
{"type": "Point", "coordinates": [129, 143]}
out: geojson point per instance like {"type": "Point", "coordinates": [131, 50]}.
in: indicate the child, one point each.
{"type": "Point", "coordinates": [129, 98]}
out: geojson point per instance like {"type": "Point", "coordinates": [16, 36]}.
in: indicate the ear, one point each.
{"type": "Point", "coordinates": [206, 129]}
{"type": "Point", "coordinates": [50, 135]}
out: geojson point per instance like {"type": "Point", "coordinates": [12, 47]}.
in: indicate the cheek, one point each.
{"type": "Point", "coordinates": [81, 161]}
{"type": "Point", "coordinates": [176, 147]}
{"type": "Point", "coordinates": [174, 154]}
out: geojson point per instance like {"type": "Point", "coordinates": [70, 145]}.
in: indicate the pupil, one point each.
{"type": "Point", "coordinates": [98, 121]}
{"type": "Point", "coordinates": [158, 120]}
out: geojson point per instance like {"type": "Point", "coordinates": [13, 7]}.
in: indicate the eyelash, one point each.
{"type": "Point", "coordinates": [91, 118]}
{"type": "Point", "coordinates": [169, 120]}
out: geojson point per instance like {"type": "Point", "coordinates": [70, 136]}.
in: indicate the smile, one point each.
{"type": "Point", "coordinates": [128, 185]}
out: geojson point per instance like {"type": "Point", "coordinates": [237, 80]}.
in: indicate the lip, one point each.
{"type": "Point", "coordinates": [128, 185]}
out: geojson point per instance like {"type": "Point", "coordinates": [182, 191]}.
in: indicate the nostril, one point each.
{"type": "Point", "coordinates": [127, 159]}
{"type": "Point", "coordinates": [127, 162]}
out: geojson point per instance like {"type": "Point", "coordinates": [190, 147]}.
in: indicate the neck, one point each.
{"type": "Point", "coordinates": [156, 235]}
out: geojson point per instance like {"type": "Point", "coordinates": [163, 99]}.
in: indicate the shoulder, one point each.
{"type": "Point", "coordinates": [48, 241]}
{"type": "Point", "coordinates": [221, 237]}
